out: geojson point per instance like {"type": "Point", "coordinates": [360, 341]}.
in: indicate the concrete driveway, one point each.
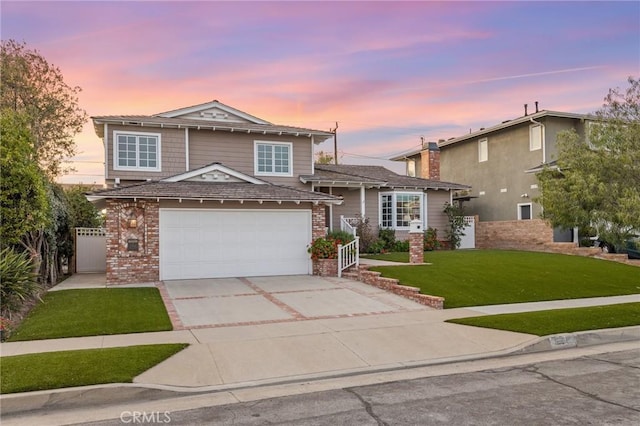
{"type": "Point", "coordinates": [262, 300]}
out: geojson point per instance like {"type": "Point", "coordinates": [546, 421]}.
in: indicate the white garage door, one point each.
{"type": "Point", "coordinates": [203, 243]}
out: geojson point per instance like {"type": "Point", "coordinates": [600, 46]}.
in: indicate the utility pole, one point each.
{"type": "Point", "coordinates": [335, 143]}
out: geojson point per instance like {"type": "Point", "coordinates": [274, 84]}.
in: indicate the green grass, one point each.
{"type": "Point", "coordinates": [92, 312]}
{"type": "Point", "coordinates": [54, 370]}
{"type": "Point", "coordinates": [543, 323]}
{"type": "Point", "coordinates": [489, 277]}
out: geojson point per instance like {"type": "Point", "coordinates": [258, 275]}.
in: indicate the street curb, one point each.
{"type": "Point", "coordinates": [114, 393]}
{"type": "Point", "coordinates": [581, 339]}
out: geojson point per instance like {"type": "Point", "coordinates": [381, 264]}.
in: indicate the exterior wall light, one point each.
{"type": "Point", "coordinates": [133, 220]}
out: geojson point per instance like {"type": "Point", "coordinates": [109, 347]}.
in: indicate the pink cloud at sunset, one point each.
{"type": "Point", "coordinates": [388, 72]}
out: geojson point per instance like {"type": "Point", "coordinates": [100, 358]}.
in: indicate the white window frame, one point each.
{"type": "Point", "coordinates": [520, 205]}
{"type": "Point", "coordinates": [256, 170]}
{"type": "Point", "coordinates": [483, 150]}
{"type": "Point", "coordinates": [394, 209]}
{"type": "Point", "coordinates": [137, 167]}
{"type": "Point", "coordinates": [532, 131]}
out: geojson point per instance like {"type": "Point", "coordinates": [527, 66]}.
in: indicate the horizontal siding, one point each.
{"type": "Point", "coordinates": [436, 218]}
{"type": "Point", "coordinates": [172, 153]}
{"type": "Point", "coordinates": [236, 150]}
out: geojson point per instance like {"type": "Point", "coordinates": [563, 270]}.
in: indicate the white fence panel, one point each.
{"type": "Point", "coordinates": [91, 250]}
{"type": "Point", "coordinates": [348, 255]}
{"type": "Point", "coordinates": [468, 240]}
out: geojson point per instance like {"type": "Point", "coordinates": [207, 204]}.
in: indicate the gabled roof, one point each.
{"type": "Point", "coordinates": [503, 125]}
{"type": "Point", "coordinates": [372, 176]}
{"type": "Point", "coordinates": [185, 118]}
{"type": "Point", "coordinates": [227, 185]}
{"type": "Point", "coordinates": [215, 172]}
{"type": "Point", "coordinates": [176, 113]}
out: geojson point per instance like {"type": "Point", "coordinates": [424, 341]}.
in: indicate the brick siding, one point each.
{"type": "Point", "coordinates": [416, 247]}
{"type": "Point", "coordinates": [532, 235]}
{"type": "Point", "coordinates": [126, 266]}
{"type": "Point", "coordinates": [392, 285]}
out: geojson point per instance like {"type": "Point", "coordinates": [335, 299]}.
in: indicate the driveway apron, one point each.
{"type": "Point", "coordinates": [261, 300]}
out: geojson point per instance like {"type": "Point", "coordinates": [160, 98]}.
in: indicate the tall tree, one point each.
{"type": "Point", "coordinates": [32, 86]}
{"type": "Point", "coordinates": [597, 182]}
{"type": "Point", "coordinates": [24, 204]}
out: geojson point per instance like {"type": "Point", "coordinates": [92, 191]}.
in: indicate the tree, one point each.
{"type": "Point", "coordinates": [23, 198]}
{"type": "Point", "coordinates": [597, 182]}
{"type": "Point", "coordinates": [30, 85]}
{"type": "Point", "coordinates": [24, 205]}
{"type": "Point", "coordinates": [82, 213]}
{"type": "Point", "coordinates": [323, 158]}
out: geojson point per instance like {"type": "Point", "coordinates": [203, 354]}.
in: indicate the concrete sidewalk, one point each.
{"type": "Point", "coordinates": [223, 357]}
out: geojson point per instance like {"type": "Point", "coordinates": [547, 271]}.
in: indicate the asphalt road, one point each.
{"type": "Point", "coordinates": [596, 389]}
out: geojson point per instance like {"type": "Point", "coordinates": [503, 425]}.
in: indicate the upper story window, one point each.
{"type": "Point", "coordinates": [536, 137]}
{"type": "Point", "coordinates": [411, 168]}
{"type": "Point", "coordinates": [273, 158]}
{"type": "Point", "coordinates": [136, 151]}
{"type": "Point", "coordinates": [398, 209]}
{"type": "Point", "coordinates": [483, 150]}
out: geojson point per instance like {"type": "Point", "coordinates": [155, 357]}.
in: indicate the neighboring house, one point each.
{"type": "Point", "coordinates": [207, 191]}
{"type": "Point", "coordinates": [210, 191]}
{"type": "Point", "coordinates": [500, 162]}
{"type": "Point", "coordinates": [387, 199]}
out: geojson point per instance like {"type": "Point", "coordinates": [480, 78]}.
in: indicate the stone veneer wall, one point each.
{"type": "Point", "coordinates": [533, 234]}
{"type": "Point", "coordinates": [126, 266]}
{"type": "Point", "coordinates": [318, 226]}
{"type": "Point", "coordinates": [391, 284]}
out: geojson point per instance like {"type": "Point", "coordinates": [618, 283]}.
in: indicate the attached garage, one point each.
{"type": "Point", "coordinates": [209, 243]}
{"type": "Point", "coordinates": [213, 222]}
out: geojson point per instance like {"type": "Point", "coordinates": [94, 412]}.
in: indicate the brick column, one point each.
{"type": "Point", "coordinates": [416, 243]}
{"type": "Point", "coordinates": [318, 226]}
{"type": "Point", "coordinates": [140, 262]}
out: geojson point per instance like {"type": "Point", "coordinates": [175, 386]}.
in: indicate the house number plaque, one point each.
{"type": "Point", "coordinates": [132, 244]}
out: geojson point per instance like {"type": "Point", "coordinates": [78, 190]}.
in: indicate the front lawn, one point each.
{"type": "Point", "coordinates": [54, 370]}
{"type": "Point", "coordinates": [543, 323]}
{"type": "Point", "coordinates": [490, 277]}
{"type": "Point", "coordinates": [92, 312]}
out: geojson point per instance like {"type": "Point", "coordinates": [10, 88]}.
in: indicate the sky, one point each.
{"type": "Point", "coordinates": [389, 73]}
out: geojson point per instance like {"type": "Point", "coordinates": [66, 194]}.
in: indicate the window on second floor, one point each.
{"type": "Point", "coordinates": [483, 150]}
{"type": "Point", "coordinates": [411, 168]}
{"type": "Point", "coordinates": [273, 158]}
{"type": "Point", "coordinates": [536, 137]}
{"type": "Point", "coordinates": [398, 209]}
{"type": "Point", "coordinates": [136, 151]}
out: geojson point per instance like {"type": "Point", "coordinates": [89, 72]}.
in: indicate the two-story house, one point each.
{"type": "Point", "coordinates": [210, 191]}
{"type": "Point", "coordinates": [500, 162]}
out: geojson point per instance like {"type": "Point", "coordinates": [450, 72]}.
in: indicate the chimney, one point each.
{"type": "Point", "coordinates": [430, 162]}
{"type": "Point", "coordinates": [525, 109]}
{"type": "Point", "coordinates": [536, 106]}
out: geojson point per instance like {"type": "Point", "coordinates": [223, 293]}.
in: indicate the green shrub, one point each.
{"type": "Point", "coordinates": [342, 236]}
{"type": "Point", "coordinates": [431, 240]}
{"type": "Point", "coordinates": [389, 238]}
{"type": "Point", "coordinates": [18, 281]}
{"type": "Point", "coordinates": [376, 247]}
{"type": "Point", "coordinates": [402, 245]}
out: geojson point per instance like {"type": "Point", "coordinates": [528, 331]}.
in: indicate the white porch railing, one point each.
{"type": "Point", "coordinates": [349, 224]}
{"type": "Point", "coordinates": [348, 255]}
